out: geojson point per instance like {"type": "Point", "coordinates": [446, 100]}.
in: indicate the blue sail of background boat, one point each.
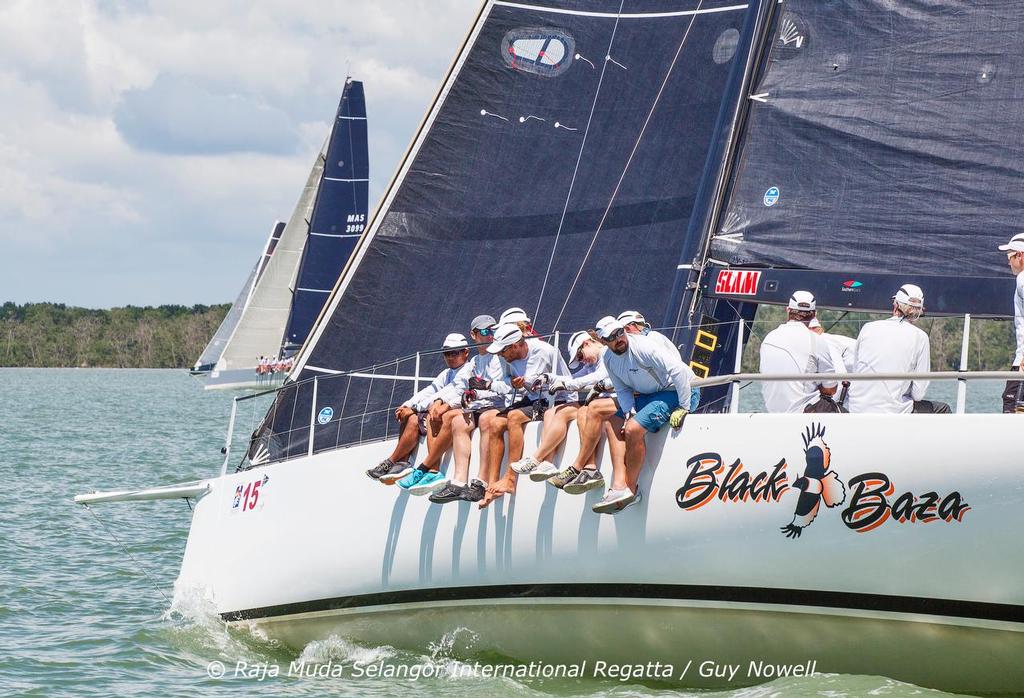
{"type": "Point", "coordinates": [339, 215]}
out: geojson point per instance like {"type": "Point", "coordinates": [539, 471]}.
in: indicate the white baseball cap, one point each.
{"type": "Point", "coordinates": [514, 315]}
{"type": "Point", "coordinates": [911, 295]}
{"type": "Point", "coordinates": [629, 316]}
{"type": "Point", "coordinates": [608, 325]}
{"type": "Point", "coordinates": [455, 341]}
{"type": "Point", "coordinates": [1016, 244]}
{"type": "Point", "coordinates": [802, 301]}
{"type": "Point", "coordinates": [575, 342]}
{"type": "Point", "coordinates": [505, 336]}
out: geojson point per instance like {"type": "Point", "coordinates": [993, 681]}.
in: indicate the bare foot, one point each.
{"type": "Point", "coordinates": [489, 496]}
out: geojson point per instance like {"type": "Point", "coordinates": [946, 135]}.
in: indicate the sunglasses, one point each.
{"type": "Point", "coordinates": [485, 332]}
{"type": "Point", "coordinates": [615, 335]}
{"type": "Point", "coordinates": [453, 353]}
{"type": "Point", "coordinates": [1011, 255]}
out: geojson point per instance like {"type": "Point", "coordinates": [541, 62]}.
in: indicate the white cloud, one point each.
{"type": "Point", "coordinates": [145, 149]}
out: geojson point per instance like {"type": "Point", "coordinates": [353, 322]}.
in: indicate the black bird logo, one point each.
{"type": "Point", "coordinates": [818, 484]}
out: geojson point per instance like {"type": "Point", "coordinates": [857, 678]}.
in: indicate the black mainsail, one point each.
{"type": "Point", "coordinates": [556, 171]}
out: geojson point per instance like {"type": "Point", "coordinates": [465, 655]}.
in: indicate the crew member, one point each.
{"type": "Point", "coordinates": [1014, 250]}
{"type": "Point", "coordinates": [894, 345]}
{"type": "Point", "coordinates": [793, 348]}
{"type": "Point", "coordinates": [652, 380]}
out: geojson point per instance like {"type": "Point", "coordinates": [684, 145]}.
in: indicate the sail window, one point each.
{"type": "Point", "coordinates": [726, 45]}
{"type": "Point", "coordinates": [545, 51]}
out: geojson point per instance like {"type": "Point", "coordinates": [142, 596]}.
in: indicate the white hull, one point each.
{"type": "Point", "coordinates": [324, 550]}
{"type": "Point", "coordinates": [240, 379]}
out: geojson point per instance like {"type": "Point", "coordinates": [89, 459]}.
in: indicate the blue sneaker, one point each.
{"type": "Point", "coordinates": [412, 478]}
{"type": "Point", "coordinates": [428, 484]}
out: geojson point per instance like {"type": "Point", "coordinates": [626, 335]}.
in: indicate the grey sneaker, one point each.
{"type": "Point", "coordinates": [563, 478]}
{"type": "Point", "coordinates": [473, 492]}
{"type": "Point", "coordinates": [543, 471]}
{"type": "Point", "coordinates": [587, 480]}
{"type": "Point", "coordinates": [383, 468]}
{"type": "Point", "coordinates": [449, 493]}
{"type": "Point", "coordinates": [396, 472]}
{"type": "Point", "coordinates": [615, 501]}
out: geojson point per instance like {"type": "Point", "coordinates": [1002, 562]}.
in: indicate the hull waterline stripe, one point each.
{"type": "Point", "coordinates": [786, 597]}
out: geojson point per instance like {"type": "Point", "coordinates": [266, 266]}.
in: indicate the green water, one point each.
{"type": "Point", "coordinates": [82, 615]}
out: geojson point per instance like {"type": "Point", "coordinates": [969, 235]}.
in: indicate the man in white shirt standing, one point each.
{"type": "Point", "coordinates": [1014, 250]}
{"type": "Point", "coordinates": [793, 348]}
{"type": "Point", "coordinates": [894, 346]}
{"type": "Point", "coordinates": [650, 379]}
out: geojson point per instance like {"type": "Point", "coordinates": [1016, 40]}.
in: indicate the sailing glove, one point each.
{"type": "Point", "coordinates": [678, 415]}
{"type": "Point", "coordinates": [479, 383]}
{"type": "Point", "coordinates": [468, 396]}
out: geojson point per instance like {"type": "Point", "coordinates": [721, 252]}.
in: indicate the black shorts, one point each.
{"type": "Point", "coordinates": [525, 406]}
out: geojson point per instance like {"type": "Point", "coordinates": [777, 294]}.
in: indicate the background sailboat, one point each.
{"type": "Point", "coordinates": [307, 258]}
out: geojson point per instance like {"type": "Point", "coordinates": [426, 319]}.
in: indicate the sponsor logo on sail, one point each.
{"type": "Point", "coordinates": [852, 286]}
{"type": "Point", "coordinates": [869, 497]}
{"type": "Point", "coordinates": [737, 283]}
{"type": "Point", "coordinates": [325, 415]}
{"type": "Point", "coordinates": [771, 197]}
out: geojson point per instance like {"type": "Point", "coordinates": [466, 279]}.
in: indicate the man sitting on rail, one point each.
{"type": "Point", "coordinates": [793, 348]}
{"type": "Point", "coordinates": [894, 345]}
{"type": "Point", "coordinates": [654, 381]}
{"type": "Point", "coordinates": [412, 415]}
{"type": "Point", "coordinates": [635, 323]}
{"type": "Point", "coordinates": [466, 405]}
{"type": "Point", "coordinates": [527, 362]}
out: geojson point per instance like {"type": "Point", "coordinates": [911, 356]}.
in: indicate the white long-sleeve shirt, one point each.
{"type": "Point", "coordinates": [889, 346]}
{"type": "Point", "coordinates": [486, 366]}
{"type": "Point", "coordinates": [1018, 319]}
{"type": "Point", "coordinates": [422, 399]}
{"type": "Point", "coordinates": [793, 348]}
{"type": "Point", "coordinates": [542, 358]}
{"type": "Point", "coordinates": [841, 348]}
{"type": "Point", "coordinates": [647, 366]}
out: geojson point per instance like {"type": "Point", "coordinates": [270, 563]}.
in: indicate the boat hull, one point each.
{"type": "Point", "coordinates": [239, 379]}
{"type": "Point", "coordinates": [701, 570]}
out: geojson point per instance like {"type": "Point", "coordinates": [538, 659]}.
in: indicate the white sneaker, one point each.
{"type": "Point", "coordinates": [615, 501]}
{"type": "Point", "coordinates": [525, 466]}
{"type": "Point", "coordinates": [544, 471]}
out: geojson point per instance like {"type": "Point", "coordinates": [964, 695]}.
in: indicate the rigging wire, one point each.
{"type": "Point", "coordinates": [131, 557]}
{"type": "Point", "coordinates": [579, 158]}
{"type": "Point", "coordinates": [636, 146]}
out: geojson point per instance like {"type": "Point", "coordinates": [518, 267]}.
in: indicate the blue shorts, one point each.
{"type": "Point", "coordinates": [653, 411]}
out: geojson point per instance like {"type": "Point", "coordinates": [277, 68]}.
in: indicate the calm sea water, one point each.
{"type": "Point", "coordinates": [84, 594]}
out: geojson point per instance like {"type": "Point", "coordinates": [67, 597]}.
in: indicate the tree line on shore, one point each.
{"type": "Point", "coordinates": [54, 334]}
{"type": "Point", "coordinates": [173, 336]}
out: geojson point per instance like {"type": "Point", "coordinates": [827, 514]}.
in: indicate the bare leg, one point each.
{"type": "Point", "coordinates": [598, 412]}
{"type": "Point", "coordinates": [616, 444]}
{"type": "Point", "coordinates": [438, 444]}
{"type": "Point", "coordinates": [462, 444]}
{"type": "Point", "coordinates": [556, 428]}
{"type": "Point", "coordinates": [517, 420]}
{"type": "Point", "coordinates": [490, 469]}
{"type": "Point", "coordinates": [408, 437]}
{"type": "Point", "coordinates": [636, 450]}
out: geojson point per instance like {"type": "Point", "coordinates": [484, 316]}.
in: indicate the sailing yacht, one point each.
{"type": "Point", "coordinates": [301, 263]}
{"type": "Point", "coordinates": [693, 158]}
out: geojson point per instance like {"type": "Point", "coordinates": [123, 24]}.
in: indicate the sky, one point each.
{"type": "Point", "coordinates": [147, 147]}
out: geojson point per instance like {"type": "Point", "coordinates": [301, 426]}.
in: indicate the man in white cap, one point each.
{"type": "Point", "coordinates": [527, 365]}
{"type": "Point", "coordinates": [636, 323]}
{"type": "Point", "coordinates": [650, 380]}
{"type": "Point", "coordinates": [465, 407]}
{"type": "Point", "coordinates": [793, 348]}
{"type": "Point", "coordinates": [411, 414]}
{"type": "Point", "coordinates": [1014, 250]}
{"type": "Point", "coordinates": [519, 318]}
{"type": "Point", "coordinates": [894, 345]}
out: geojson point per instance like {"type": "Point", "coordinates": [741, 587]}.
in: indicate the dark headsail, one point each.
{"type": "Point", "coordinates": [339, 214]}
{"type": "Point", "coordinates": [885, 145]}
{"type": "Point", "coordinates": [556, 171]}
